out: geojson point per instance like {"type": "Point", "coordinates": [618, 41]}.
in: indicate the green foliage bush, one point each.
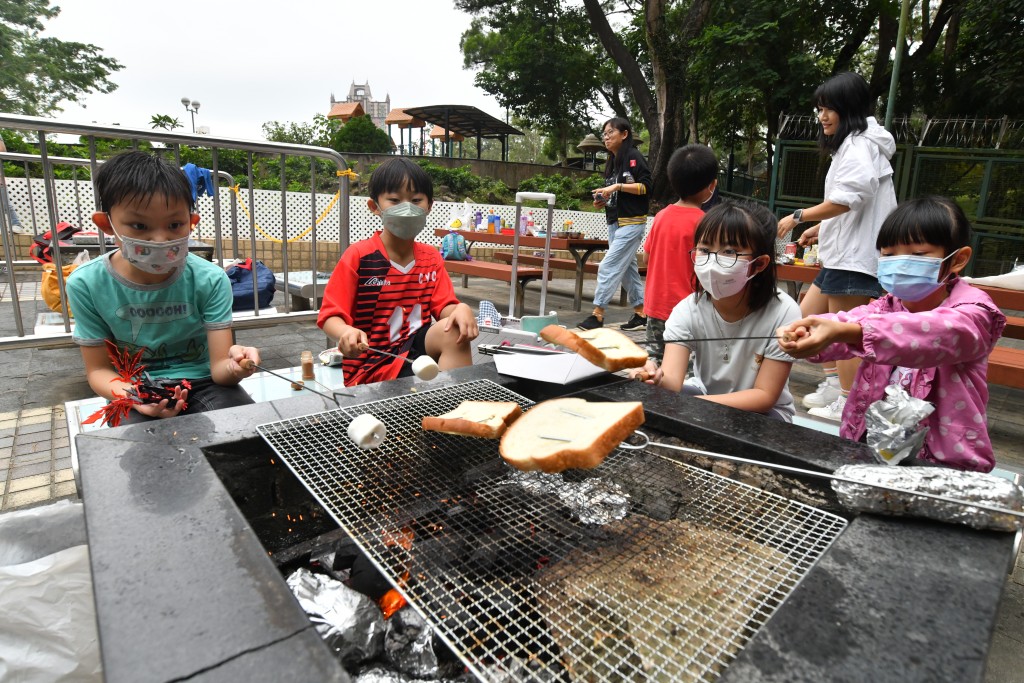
{"type": "Point", "coordinates": [570, 192]}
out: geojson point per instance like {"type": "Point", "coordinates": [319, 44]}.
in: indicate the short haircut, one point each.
{"type": "Point", "coordinates": [132, 176]}
{"type": "Point", "coordinates": [396, 174]}
{"type": "Point", "coordinates": [929, 220]}
{"type": "Point", "coordinates": [848, 95]}
{"type": "Point", "coordinates": [749, 227]}
{"type": "Point", "coordinates": [691, 169]}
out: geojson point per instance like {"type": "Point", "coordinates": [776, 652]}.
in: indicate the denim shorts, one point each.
{"type": "Point", "coordinates": [834, 282]}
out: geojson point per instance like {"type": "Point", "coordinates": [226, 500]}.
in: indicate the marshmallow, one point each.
{"type": "Point", "coordinates": [425, 368]}
{"type": "Point", "coordinates": [366, 431]}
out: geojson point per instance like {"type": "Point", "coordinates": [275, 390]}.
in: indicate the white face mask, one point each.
{"type": "Point", "coordinates": [155, 258]}
{"type": "Point", "coordinates": [722, 282]}
{"type": "Point", "coordinates": [404, 220]}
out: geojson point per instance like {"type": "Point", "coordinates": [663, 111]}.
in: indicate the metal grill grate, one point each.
{"type": "Point", "coordinates": [500, 565]}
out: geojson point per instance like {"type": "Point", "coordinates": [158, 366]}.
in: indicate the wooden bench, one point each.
{"type": "Point", "coordinates": [1006, 367]}
{"type": "Point", "coordinates": [560, 264]}
{"type": "Point", "coordinates": [497, 271]}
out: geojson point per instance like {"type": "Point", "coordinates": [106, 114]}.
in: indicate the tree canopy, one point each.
{"type": "Point", "coordinates": [39, 72]}
{"type": "Point", "coordinates": [722, 71]}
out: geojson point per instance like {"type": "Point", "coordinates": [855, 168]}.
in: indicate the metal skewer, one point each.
{"type": "Point", "coordinates": [384, 353]}
{"type": "Point", "coordinates": [247, 364]}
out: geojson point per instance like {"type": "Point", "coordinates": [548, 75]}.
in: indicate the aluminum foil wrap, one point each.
{"type": "Point", "coordinates": [593, 500]}
{"type": "Point", "coordinates": [892, 424]}
{"type": "Point", "coordinates": [409, 644]}
{"type": "Point", "coordinates": [969, 487]}
{"type": "Point", "coordinates": [349, 622]}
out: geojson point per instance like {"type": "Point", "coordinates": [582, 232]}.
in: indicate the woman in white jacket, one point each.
{"type": "Point", "coordinates": [859, 195]}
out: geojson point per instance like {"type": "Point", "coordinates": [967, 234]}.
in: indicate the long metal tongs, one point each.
{"type": "Point", "coordinates": [1019, 515]}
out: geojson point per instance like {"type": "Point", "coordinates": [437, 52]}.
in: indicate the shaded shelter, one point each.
{"type": "Point", "coordinates": [399, 117]}
{"type": "Point", "coordinates": [344, 111]}
{"type": "Point", "coordinates": [447, 138]}
{"type": "Point", "coordinates": [467, 121]}
{"type": "Point", "coordinates": [590, 146]}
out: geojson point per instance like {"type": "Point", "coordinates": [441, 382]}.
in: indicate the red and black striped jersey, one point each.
{"type": "Point", "coordinates": [389, 304]}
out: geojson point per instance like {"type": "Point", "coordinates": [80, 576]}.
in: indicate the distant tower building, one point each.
{"type": "Point", "coordinates": [377, 110]}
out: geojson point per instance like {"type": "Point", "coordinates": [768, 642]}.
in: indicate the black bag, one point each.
{"type": "Point", "coordinates": [42, 246]}
{"type": "Point", "coordinates": [241, 275]}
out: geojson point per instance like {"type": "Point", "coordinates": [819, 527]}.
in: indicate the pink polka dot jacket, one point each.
{"type": "Point", "coordinates": [949, 347]}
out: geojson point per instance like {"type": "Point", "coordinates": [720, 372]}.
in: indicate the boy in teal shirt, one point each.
{"type": "Point", "coordinates": [151, 295]}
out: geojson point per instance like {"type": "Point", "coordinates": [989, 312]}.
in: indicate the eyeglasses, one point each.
{"type": "Point", "coordinates": [726, 258]}
{"type": "Point", "coordinates": [607, 134]}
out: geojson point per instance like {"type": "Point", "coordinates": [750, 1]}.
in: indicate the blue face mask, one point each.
{"type": "Point", "coordinates": [910, 278]}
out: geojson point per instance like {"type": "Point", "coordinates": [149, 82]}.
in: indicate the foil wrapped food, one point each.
{"type": "Point", "coordinates": [869, 493]}
{"type": "Point", "coordinates": [593, 500]}
{"type": "Point", "coordinates": [893, 425]}
{"type": "Point", "coordinates": [349, 622]}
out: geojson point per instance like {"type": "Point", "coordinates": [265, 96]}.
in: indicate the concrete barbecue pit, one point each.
{"type": "Point", "coordinates": [184, 587]}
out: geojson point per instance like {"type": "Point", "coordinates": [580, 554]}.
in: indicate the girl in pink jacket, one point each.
{"type": "Point", "coordinates": [931, 334]}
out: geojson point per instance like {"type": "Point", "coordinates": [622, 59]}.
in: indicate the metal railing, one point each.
{"type": "Point", "coordinates": [40, 128]}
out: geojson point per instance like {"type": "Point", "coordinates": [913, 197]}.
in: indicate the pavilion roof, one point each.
{"type": "Point", "coordinates": [346, 111]}
{"type": "Point", "coordinates": [464, 120]}
{"type": "Point", "coordinates": [402, 119]}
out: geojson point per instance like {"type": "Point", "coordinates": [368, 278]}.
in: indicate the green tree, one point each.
{"type": "Point", "coordinates": [38, 72]}
{"type": "Point", "coordinates": [164, 121]}
{"type": "Point", "coordinates": [361, 135]}
{"type": "Point", "coordinates": [539, 59]}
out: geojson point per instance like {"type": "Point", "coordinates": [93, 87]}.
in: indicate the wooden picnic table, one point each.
{"type": "Point", "coordinates": [581, 250]}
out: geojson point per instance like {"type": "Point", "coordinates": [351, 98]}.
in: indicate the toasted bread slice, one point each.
{"type": "Point", "coordinates": [605, 348]}
{"type": "Point", "coordinates": [485, 419]}
{"type": "Point", "coordinates": [568, 433]}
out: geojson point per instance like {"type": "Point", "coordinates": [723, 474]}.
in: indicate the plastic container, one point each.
{"type": "Point", "coordinates": [306, 360]}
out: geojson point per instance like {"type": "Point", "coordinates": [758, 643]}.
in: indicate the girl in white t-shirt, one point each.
{"type": "Point", "coordinates": [729, 321]}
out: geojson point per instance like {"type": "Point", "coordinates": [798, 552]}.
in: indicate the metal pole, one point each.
{"type": "Point", "coordinates": [901, 38]}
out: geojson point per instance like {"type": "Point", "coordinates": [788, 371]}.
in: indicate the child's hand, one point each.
{"type": "Point", "coordinates": [650, 373]}
{"type": "Point", "coordinates": [237, 355]}
{"type": "Point", "coordinates": [809, 336]}
{"type": "Point", "coordinates": [465, 321]}
{"type": "Point", "coordinates": [352, 342]}
{"type": "Point", "coordinates": [165, 408]}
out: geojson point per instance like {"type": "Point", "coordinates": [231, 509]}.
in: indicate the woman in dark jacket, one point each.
{"type": "Point", "coordinates": [626, 204]}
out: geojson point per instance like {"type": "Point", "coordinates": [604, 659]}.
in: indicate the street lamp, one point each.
{"type": "Point", "coordinates": [192, 108]}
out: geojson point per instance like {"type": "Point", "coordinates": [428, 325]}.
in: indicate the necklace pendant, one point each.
{"type": "Point", "coordinates": [725, 356]}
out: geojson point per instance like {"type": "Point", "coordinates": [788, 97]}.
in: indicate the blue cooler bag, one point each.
{"type": "Point", "coordinates": [241, 275]}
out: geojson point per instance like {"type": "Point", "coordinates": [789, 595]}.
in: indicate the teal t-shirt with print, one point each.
{"type": "Point", "coordinates": [170, 319]}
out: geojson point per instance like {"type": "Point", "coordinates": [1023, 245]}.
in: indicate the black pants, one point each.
{"type": "Point", "coordinates": [205, 395]}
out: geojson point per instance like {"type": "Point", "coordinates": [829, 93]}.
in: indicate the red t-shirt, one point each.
{"type": "Point", "coordinates": [669, 268]}
{"type": "Point", "coordinates": [367, 291]}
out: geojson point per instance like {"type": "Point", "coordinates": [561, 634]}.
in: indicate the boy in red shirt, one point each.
{"type": "Point", "coordinates": [387, 290]}
{"type": "Point", "coordinates": [693, 174]}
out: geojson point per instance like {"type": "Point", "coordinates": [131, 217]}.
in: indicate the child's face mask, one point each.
{"type": "Point", "coordinates": [721, 282]}
{"type": "Point", "coordinates": [404, 220]}
{"type": "Point", "coordinates": [153, 257]}
{"type": "Point", "coordinates": [910, 278]}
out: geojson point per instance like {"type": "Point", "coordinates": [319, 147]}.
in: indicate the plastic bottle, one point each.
{"type": "Point", "coordinates": [523, 226]}
{"type": "Point", "coordinates": [530, 225]}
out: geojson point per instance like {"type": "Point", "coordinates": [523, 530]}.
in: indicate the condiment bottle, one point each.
{"type": "Point", "coordinates": [306, 360]}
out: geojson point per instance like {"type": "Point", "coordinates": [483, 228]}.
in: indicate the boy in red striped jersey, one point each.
{"type": "Point", "coordinates": [387, 291]}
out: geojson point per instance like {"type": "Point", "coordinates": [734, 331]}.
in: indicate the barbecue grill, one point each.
{"type": "Point", "coordinates": [644, 568]}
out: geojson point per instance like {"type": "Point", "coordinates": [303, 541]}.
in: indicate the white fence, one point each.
{"type": "Point", "coordinates": [75, 204]}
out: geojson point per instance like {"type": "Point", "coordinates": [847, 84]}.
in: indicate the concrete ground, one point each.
{"type": "Point", "coordinates": [35, 457]}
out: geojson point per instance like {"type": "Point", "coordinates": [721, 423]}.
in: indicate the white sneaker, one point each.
{"type": "Point", "coordinates": [19, 229]}
{"type": "Point", "coordinates": [833, 411]}
{"type": "Point", "coordinates": [828, 390]}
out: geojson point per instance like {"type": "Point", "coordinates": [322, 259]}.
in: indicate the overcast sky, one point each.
{"type": "Point", "coordinates": [256, 61]}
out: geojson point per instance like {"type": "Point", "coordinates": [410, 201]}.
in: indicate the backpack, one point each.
{"type": "Point", "coordinates": [453, 247]}
{"type": "Point", "coordinates": [42, 246]}
{"type": "Point", "coordinates": [241, 275]}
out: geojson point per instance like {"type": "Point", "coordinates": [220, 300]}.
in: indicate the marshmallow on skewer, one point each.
{"type": "Point", "coordinates": [425, 368]}
{"type": "Point", "coordinates": [366, 431]}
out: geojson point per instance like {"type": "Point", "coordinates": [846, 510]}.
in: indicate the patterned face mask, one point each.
{"type": "Point", "coordinates": [153, 257]}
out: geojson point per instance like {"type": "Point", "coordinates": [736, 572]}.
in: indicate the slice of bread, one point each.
{"type": "Point", "coordinates": [567, 433]}
{"type": "Point", "coordinates": [605, 348]}
{"type": "Point", "coordinates": [486, 419]}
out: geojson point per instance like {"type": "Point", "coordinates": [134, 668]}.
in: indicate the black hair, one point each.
{"type": "Point", "coordinates": [929, 220]}
{"type": "Point", "coordinates": [398, 173]}
{"type": "Point", "coordinates": [846, 94]}
{"type": "Point", "coordinates": [747, 226]}
{"type": "Point", "coordinates": [614, 163]}
{"type": "Point", "coordinates": [136, 175]}
{"type": "Point", "coordinates": [691, 169]}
